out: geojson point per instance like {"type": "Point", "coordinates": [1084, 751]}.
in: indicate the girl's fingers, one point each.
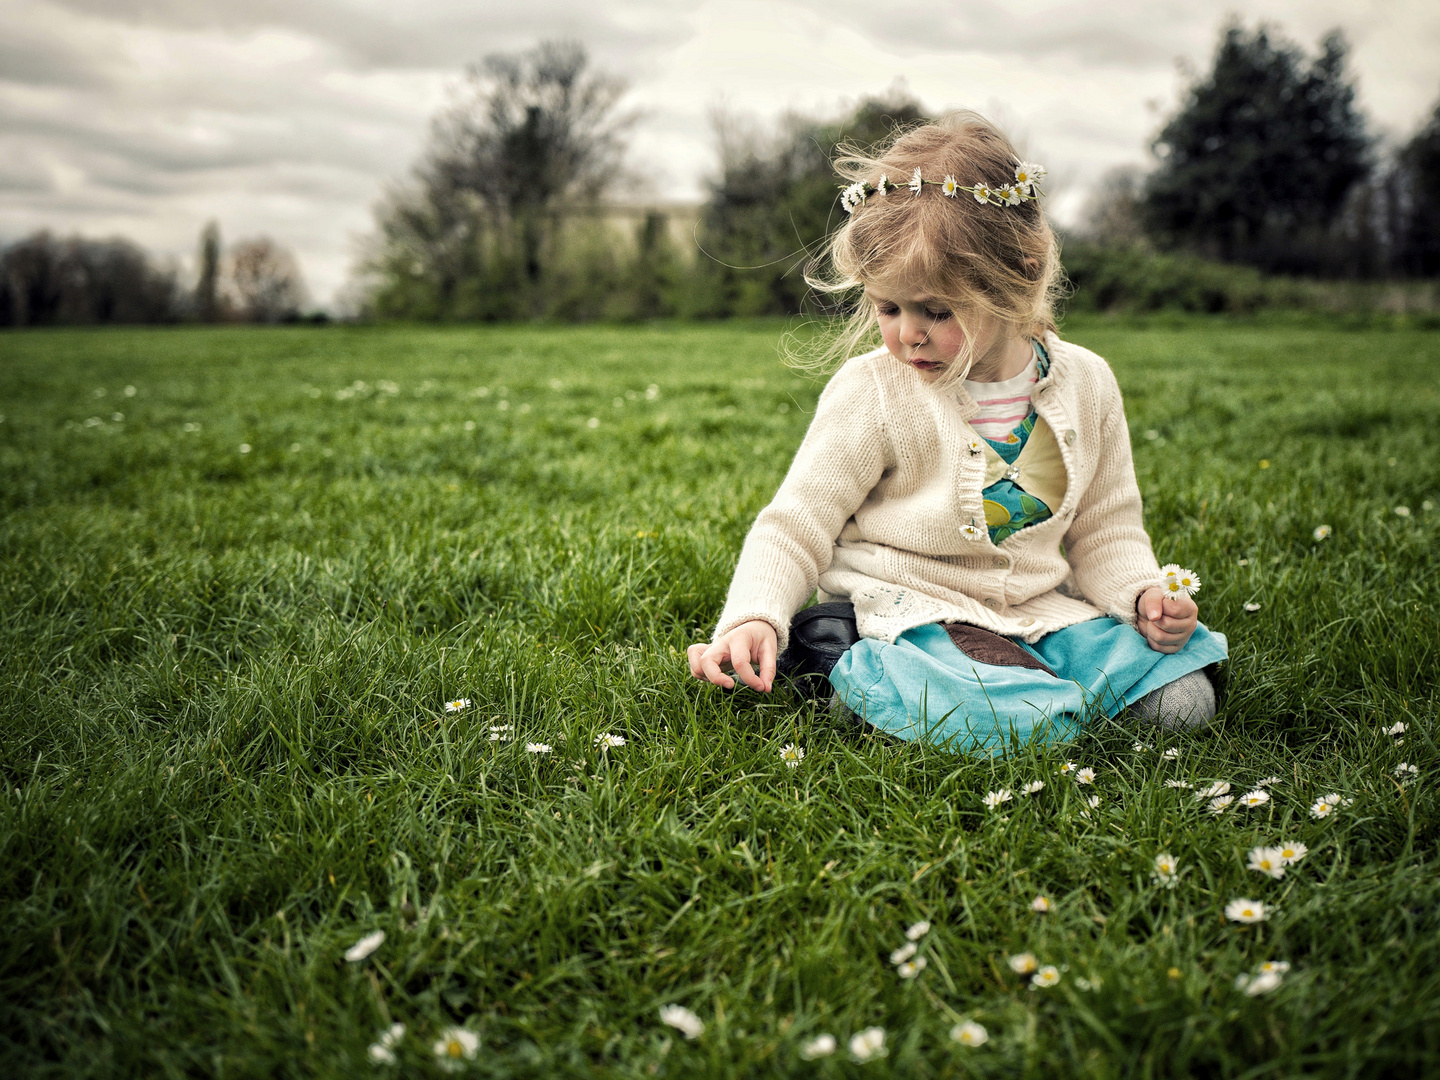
{"type": "Point", "coordinates": [710, 666]}
{"type": "Point", "coordinates": [768, 646]}
{"type": "Point", "coordinates": [740, 661]}
{"type": "Point", "coordinates": [693, 654]}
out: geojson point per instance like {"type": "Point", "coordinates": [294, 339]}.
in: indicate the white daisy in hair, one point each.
{"type": "Point", "coordinates": [1028, 175]}
{"type": "Point", "coordinates": [982, 192]}
{"type": "Point", "coordinates": [950, 186]}
{"type": "Point", "coordinates": [916, 183]}
{"type": "Point", "coordinates": [1009, 194]}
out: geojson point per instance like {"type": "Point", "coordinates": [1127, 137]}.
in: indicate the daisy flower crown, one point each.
{"type": "Point", "coordinates": [1026, 185]}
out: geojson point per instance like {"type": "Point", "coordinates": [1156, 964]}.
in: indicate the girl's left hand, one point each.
{"type": "Point", "coordinates": [1166, 622]}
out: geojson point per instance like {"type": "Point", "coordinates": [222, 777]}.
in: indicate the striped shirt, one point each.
{"type": "Point", "coordinates": [1002, 404]}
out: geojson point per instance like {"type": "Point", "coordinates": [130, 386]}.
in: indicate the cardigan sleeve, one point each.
{"type": "Point", "coordinates": [840, 460]}
{"type": "Point", "coordinates": [1106, 545]}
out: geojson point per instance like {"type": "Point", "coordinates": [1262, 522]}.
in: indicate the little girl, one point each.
{"type": "Point", "coordinates": [968, 485]}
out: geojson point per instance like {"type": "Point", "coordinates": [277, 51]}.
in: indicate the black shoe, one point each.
{"type": "Point", "coordinates": [819, 636]}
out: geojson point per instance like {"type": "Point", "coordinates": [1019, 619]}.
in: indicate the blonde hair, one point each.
{"type": "Point", "coordinates": [976, 258]}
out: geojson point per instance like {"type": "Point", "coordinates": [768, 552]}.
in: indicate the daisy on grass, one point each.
{"type": "Point", "coordinates": [915, 931]}
{"type": "Point", "coordinates": [502, 732]}
{"type": "Point", "coordinates": [1279, 967]}
{"type": "Point", "coordinates": [683, 1021]}
{"type": "Point", "coordinates": [1220, 805]}
{"type": "Point", "coordinates": [1167, 870]}
{"type": "Point", "coordinates": [1290, 854]}
{"type": "Point", "coordinates": [1324, 806]}
{"type": "Point", "coordinates": [903, 953]}
{"type": "Point", "coordinates": [1267, 781]}
{"type": "Point", "coordinates": [792, 755]}
{"type": "Point", "coordinates": [1179, 784]}
{"type": "Point", "coordinates": [1258, 797]}
{"type": "Point", "coordinates": [365, 946]}
{"type": "Point", "coordinates": [1048, 975]}
{"type": "Point", "coordinates": [1259, 984]}
{"type": "Point", "coordinates": [1040, 904]}
{"type": "Point", "coordinates": [1246, 911]}
{"type": "Point", "coordinates": [1406, 773]}
{"type": "Point", "coordinates": [1032, 787]}
{"type": "Point", "coordinates": [969, 1033]}
{"type": "Point", "coordinates": [382, 1050]}
{"type": "Point", "coordinates": [537, 748]}
{"type": "Point", "coordinates": [1068, 768]}
{"type": "Point", "coordinates": [818, 1047]}
{"type": "Point", "coordinates": [1141, 747]}
{"type": "Point", "coordinates": [1322, 532]}
{"type": "Point", "coordinates": [1267, 860]}
{"type": "Point", "coordinates": [950, 186]}
{"type": "Point", "coordinates": [1251, 607]}
{"type": "Point", "coordinates": [1176, 580]}
{"type": "Point", "coordinates": [995, 798]}
{"type": "Point", "coordinates": [457, 704]}
{"type": "Point", "coordinates": [1396, 729]}
{"type": "Point", "coordinates": [1172, 753]}
{"type": "Point", "coordinates": [607, 741]}
{"type": "Point", "coordinates": [1214, 791]}
{"type": "Point", "coordinates": [910, 968]}
{"type": "Point", "coordinates": [1085, 776]}
{"type": "Point", "coordinates": [1023, 963]}
{"type": "Point", "coordinates": [868, 1045]}
{"type": "Point", "coordinates": [1093, 802]}
{"type": "Point", "coordinates": [456, 1046]}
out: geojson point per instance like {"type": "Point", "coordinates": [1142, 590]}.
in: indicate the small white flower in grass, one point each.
{"type": "Point", "coordinates": [1326, 805]}
{"type": "Point", "coordinates": [1268, 781]}
{"type": "Point", "coordinates": [1322, 532]}
{"type": "Point", "coordinates": [537, 748]}
{"type": "Point", "coordinates": [969, 1033]}
{"type": "Point", "coordinates": [1047, 976]}
{"type": "Point", "coordinates": [868, 1045]}
{"type": "Point", "coordinates": [1040, 904]}
{"type": "Point", "coordinates": [502, 732]}
{"type": "Point", "coordinates": [1290, 854]}
{"type": "Point", "coordinates": [1267, 860]}
{"type": "Point", "coordinates": [1258, 797]}
{"type": "Point", "coordinates": [1068, 768]}
{"type": "Point", "coordinates": [1246, 911]}
{"type": "Point", "coordinates": [1251, 607]}
{"type": "Point", "coordinates": [1023, 963]}
{"type": "Point", "coordinates": [682, 1020]}
{"type": "Point", "coordinates": [382, 1050]}
{"type": "Point", "coordinates": [916, 183]}
{"type": "Point", "coordinates": [818, 1047]}
{"type": "Point", "coordinates": [1279, 967]}
{"type": "Point", "coordinates": [1402, 511]}
{"type": "Point", "coordinates": [792, 755]}
{"type": "Point", "coordinates": [1262, 983]}
{"type": "Point", "coordinates": [1032, 787]}
{"type": "Point", "coordinates": [606, 741]}
{"type": "Point", "coordinates": [995, 798]}
{"type": "Point", "coordinates": [1220, 805]}
{"type": "Point", "coordinates": [917, 930]}
{"type": "Point", "coordinates": [1213, 791]}
{"type": "Point", "coordinates": [244, 447]}
{"type": "Point", "coordinates": [456, 1046]}
{"type": "Point", "coordinates": [904, 952]}
{"type": "Point", "coordinates": [1093, 802]}
{"type": "Point", "coordinates": [1172, 753]}
{"type": "Point", "coordinates": [1396, 729]}
{"type": "Point", "coordinates": [950, 186]}
{"type": "Point", "coordinates": [1406, 773]}
{"type": "Point", "coordinates": [1167, 870]}
{"type": "Point", "coordinates": [1185, 784]}
{"type": "Point", "coordinates": [457, 704]}
{"type": "Point", "coordinates": [910, 968]}
{"type": "Point", "coordinates": [1085, 776]}
{"type": "Point", "coordinates": [365, 946]}
{"type": "Point", "coordinates": [1141, 747]}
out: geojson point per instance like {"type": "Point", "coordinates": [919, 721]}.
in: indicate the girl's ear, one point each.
{"type": "Point", "coordinates": [1032, 265]}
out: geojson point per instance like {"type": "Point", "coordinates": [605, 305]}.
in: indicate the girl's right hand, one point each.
{"type": "Point", "coordinates": [750, 641]}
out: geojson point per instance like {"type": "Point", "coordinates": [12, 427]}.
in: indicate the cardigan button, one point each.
{"type": "Point", "coordinates": [1070, 437]}
{"type": "Point", "coordinates": [1027, 621]}
{"type": "Point", "coordinates": [992, 603]}
{"type": "Point", "coordinates": [1001, 562]}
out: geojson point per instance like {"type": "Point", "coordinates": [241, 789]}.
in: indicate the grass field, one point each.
{"type": "Point", "coordinates": [243, 570]}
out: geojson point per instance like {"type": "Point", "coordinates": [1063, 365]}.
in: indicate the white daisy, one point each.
{"type": "Point", "coordinates": [502, 732]}
{"type": "Point", "coordinates": [916, 931]}
{"type": "Point", "coordinates": [971, 531]}
{"type": "Point", "coordinates": [975, 446]}
{"type": "Point", "coordinates": [1322, 532]}
{"type": "Point", "coordinates": [1085, 776]}
{"type": "Point", "coordinates": [1068, 768]}
{"type": "Point", "coordinates": [1325, 805]}
{"type": "Point", "coordinates": [1048, 975]}
{"type": "Point", "coordinates": [1179, 784]}
{"type": "Point", "coordinates": [382, 1050]}
{"type": "Point", "coordinates": [1260, 984]}
{"type": "Point", "coordinates": [1246, 911]}
{"type": "Point", "coordinates": [910, 968]}
{"type": "Point", "coordinates": [1406, 773]}
{"type": "Point", "coordinates": [1141, 747]}
{"type": "Point", "coordinates": [1040, 904]}
{"type": "Point", "coordinates": [882, 185]}
{"type": "Point", "coordinates": [456, 1046]}
{"type": "Point", "coordinates": [950, 187]}
{"type": "Point", "coordinates": [1268, 781]}
{"type": "Point", "coordinates": [982, 192]}
{"type": "Point", "coordinates": [868, 1044]}
{"type": "Point", "coordinates": [995, 798]}
{"type": "Point", "coordinates": [365, 946]}
{"type": "Point", "coordinates": [1028, 175]}
{"type": "Point", "coordinates": [1220, 805]}
{"type": "Point", "coordinates": [818, 1047]}
{"type": "Point", "coordinates": [1093, 802]}
{"type": "Point", "coordinates": [683, 1021]}
{"type": "Point", "coordinates": [1023, 963]}
{"type": "Point", "coordinates": [1279, 967]}
{"type": "Point", "coordinates": [916, 184]}
{"type": "Point", "coordinates": [1292, 853]}
{"type": "Point", "coordinates": [852, 197]}
{"type": "Point", "coordinates": [1258, 797]}
{"type": "Point", "coordinates": [1032, 787]}
{"type": "Point", "coordinates": [1009, 194]}
{"type": "Point", "coordinates": [1267, 860]}
{"type": "Point", "coordinates": [607, 741]}
{"type": "Point", "coordinates": [1215, 790]}
{"type": "Point", "coordinates": [1251, 607]}
{"type": "Point", "coordinates": [1397, 728]}
{"type": "Point", "coordinates": [537, 748]}
{"type": "Point", "coordinates": [792, 755]}
{"type": "Point", "coordinates": [904, 952]}
{"type": "Point", "coordinates": [1402, 511]}
{"type": "Point", "coordinates": [969, 1033]}
{"type": "Point", "coordinates": [1167, 870]}
{"type": "Point", "coordinates": [457, 704]}
{"type": "Point", "coordinates": [1172, 753]}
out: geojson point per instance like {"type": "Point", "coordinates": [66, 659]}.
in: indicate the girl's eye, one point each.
{"type": "Point", "coordinates": [887, 309]}
{"type": "Point", "coordinates": [938, 316]}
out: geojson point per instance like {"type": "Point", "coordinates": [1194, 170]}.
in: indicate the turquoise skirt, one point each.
{"type": "Point", "coordinates": [924, 687]}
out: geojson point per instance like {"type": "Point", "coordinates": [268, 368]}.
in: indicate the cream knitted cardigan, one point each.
{"type": "Point", "coordinates": [874, 505]}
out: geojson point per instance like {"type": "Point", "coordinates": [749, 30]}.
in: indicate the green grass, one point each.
{"type": "Point", "coordinates": [225, 756]}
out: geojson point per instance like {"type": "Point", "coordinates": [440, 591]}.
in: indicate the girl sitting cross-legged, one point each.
{"type": "Point", "coordinates": [966, 487]}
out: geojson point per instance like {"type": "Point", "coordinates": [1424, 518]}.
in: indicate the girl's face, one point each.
{"type": "Point", "coordinates": [919, 330]}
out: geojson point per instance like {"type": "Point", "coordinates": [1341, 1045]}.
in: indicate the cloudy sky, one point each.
{"type": "Point", "coordinates": [287, 117]}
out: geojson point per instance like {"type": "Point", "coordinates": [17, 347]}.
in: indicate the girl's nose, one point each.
{"type": "Point", "coordinates": [913, 331]}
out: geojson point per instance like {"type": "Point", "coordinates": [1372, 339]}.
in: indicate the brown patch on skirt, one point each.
{"type": "Point", "coordinates": [991, 648]}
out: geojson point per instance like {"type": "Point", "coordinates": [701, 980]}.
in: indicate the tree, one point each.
{"type": "Point", "coordinates": [1258, 161]}
{"type": "Point", "coordinates": [45, 281]}
{"type": "Point", "coordinates": [207, 299]}
{"type": "Point", "coordinates": [1419, 178]}
{"type": "Point", "coordinates": [263, 281]}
